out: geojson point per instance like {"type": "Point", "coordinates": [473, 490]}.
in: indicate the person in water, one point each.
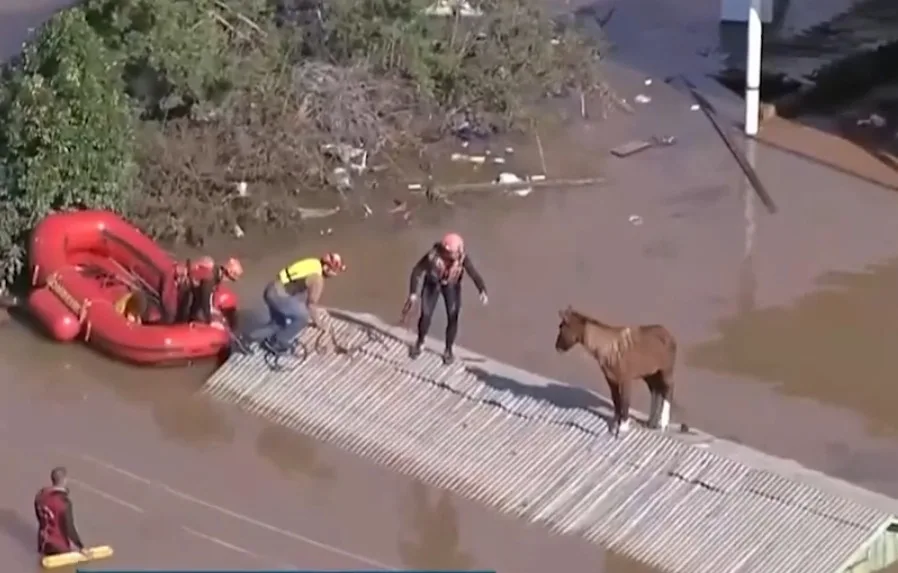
{"type": "Point", "coordinates": [196, 289]}
{"type": "Point", "coordinates": [56, 518]}
{"type": "Point", "coordinates": [440, 272]}
{"type": "Point", "coordinates": [293, 299]}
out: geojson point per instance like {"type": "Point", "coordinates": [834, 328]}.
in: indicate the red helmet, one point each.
{"type": "Point", "coordinates": [333, 262]}
{"type": "Point", "coordinates": [232, 268]}
{"type": "Point", "coordinates": [453, 244]}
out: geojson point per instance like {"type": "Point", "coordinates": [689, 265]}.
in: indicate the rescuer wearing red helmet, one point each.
{"type": "Point", "coordinates": [440, 272]}
{"type": "Point", "coordinates": [196, 294]}
{"type": "Point", "coordinates": [293, 299]}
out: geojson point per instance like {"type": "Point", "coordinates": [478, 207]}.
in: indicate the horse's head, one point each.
{"type": "Point", "coordinates": [570, 330]}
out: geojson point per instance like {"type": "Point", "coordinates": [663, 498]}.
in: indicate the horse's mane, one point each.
{"type": "Point", "coordinates": [621, 342]}
{"type": "Point", "coordinates": [592, 320]}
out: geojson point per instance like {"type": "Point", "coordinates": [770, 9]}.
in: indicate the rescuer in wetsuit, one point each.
{"type": "Point", "coordinates": [55, 517]}
{"type": "Point", "coordinates": [196, 288]}
{"type": "Point", "coordinates": [440, 272]}
{"type": "Point", "coordinates": [292, 299]}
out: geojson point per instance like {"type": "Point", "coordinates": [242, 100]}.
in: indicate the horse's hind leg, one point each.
{"type": "Point", "coordinates": [655, 382]}
{"type": "Point", "coordinates": [666, 398]}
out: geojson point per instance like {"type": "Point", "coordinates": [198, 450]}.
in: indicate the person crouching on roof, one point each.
{"type": "Point", "coordinates": [439, 273]}
{"type": "Point", "coordinates": [196, 292]}
{"type": "Point", "coordinates": [293, 299]}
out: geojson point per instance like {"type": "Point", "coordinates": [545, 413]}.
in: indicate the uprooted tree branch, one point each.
{"type": "Point", "coordinates": [188, 99]}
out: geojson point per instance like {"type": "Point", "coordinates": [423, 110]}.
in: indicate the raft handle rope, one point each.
{"type": "Point", "coordinates": [79, 309]}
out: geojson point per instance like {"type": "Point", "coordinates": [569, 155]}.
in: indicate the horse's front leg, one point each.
{"type": "Point", "coordinates": [614, 423]}
{"type": "Point", "coordinates": [624, 416]}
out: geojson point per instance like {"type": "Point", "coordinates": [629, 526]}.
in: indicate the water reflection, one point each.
{"type": "Point", "coordinates": [293, 454]}
{"type": "Point", "coordinates": [836, 345]}
{"type": "Point", "coordinates": [434, 528]}
{"type": "Point", "coordinates": [69, 373]}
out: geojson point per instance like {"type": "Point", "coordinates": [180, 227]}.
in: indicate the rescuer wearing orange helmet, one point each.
{"type": "Point", "coordinates": [440, 272]}
{"type": "Point", "coordinates": [293, 299]}
{"type": "Point", "coordinates": [197, 284]}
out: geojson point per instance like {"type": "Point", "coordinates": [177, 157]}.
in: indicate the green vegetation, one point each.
{"type": "Point", "coordinates": [158, 108]}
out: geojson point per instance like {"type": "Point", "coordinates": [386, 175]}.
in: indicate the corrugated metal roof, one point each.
{"type": "Point", "coordinates": [679, 502]}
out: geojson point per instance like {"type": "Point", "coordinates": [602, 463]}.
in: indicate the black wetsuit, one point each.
{"type": "Point", "coordinates": [434, 279]}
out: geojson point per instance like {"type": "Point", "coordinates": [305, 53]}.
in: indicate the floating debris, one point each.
{"type": "Point", "coordinates": [509, 150]}
{"type": "Point", "coordinates": [415, 186]}
{"type": "Point", "coordinates": [312, 213]}
{"type": "Point", "coordinates": [398, 206]}
{"type": "Point", "coordinates": [340, 179]}
{"type": "Point", "coordinates": [499, 160]}
{"type": "Point", "coordinates": [238, 231]}
{"type": "Point", "coordinates": [355, 158]}
{"type": "Point", "coordinates": [648, 81]}
{"type": "Point", "coordinates": [506, 178]}
{"type": "Point", "coordinates": [635, 220]}
{"type": "Point", "coordinates": [642, 98]}
{"type": "Point", "coordinates": [694, 107]}
{"type": "Point", "coordinates": [638, 145]}
{"type": "Point", "coordinates": [537, 177]}
{"type": "Point", "coordinates": [451, 7]}
{"type": "Point", "coordinates": [475, 159]}
{"type": "Point", "coordinates": [874, 120]}
{"type": "Point", "coordinates": [242, 188]}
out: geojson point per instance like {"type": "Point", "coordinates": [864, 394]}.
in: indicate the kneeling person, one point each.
{"type": "Point", "coordinates": [292, 299]}
{"type": "Point", "coordinates": [196, 297]}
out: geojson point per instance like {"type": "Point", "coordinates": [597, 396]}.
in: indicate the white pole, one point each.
{"type": "Point", "coordinates": [753, 70]}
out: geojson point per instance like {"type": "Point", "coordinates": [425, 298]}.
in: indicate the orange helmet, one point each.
{"type": "Point", "coordinates": [333, 262]}
{"type": "Point", "coordinates": [233, 268]}
{"type": "Point", "coordinates": [453, 244]}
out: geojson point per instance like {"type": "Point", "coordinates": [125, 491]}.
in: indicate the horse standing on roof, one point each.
{"type": "Point", "coordinates": [625, 354]}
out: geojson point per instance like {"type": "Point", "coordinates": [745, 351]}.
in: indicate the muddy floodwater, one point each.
{"type": "Point", "coordinates": [786, 325]}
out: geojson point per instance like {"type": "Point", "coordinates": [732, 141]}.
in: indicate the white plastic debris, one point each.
{"type": "Point", "coordinates": [875, 120]}
{"type": "Point", "coordinates": [648, 81]}
{"type": "Point", "coordinates": [555, 41]}
{"type": "Point", "coordinates": [242, 188]}
{"type": "Point", "coordinates": [537, 177]}
{"type": "Point", "coordinates": [415, 186]}
{"type": "Point", "coordinates": [449, 7]}
{"type": "Point", "coordinates": [476, 159]}
{"type": "Point", "coordinates": [340, 179]}
{"type": "Point", "coordinates": [499, 160]}
{"type": "Point", "coordinates": [506, 178]}
{"type": "Point", "coordinates": [694, 107]}
{"type": "Point", "coordinates": [642, 98]}
{"type": "Point", "coordinates": [238, 232]}
{"type": "Point", "coordinates": [509, 150]}
{"type": "Point", "coordinates": [635, 220]}
{"type": "Point", "coordinates": [355, 158]}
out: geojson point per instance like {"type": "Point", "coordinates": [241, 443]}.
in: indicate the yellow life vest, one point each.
{"type": "Point", "coordinates": [300, 270]}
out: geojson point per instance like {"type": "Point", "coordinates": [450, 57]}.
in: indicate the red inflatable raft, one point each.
{"type": "Point", "coordinates": [85, 262]}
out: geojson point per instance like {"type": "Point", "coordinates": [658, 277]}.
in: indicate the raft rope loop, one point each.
{"type": "Point", "coordinates": [80, 309]}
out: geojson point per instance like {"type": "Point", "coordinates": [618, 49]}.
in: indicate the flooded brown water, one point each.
{"type": "Point", "coordinates": [785, 322]}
